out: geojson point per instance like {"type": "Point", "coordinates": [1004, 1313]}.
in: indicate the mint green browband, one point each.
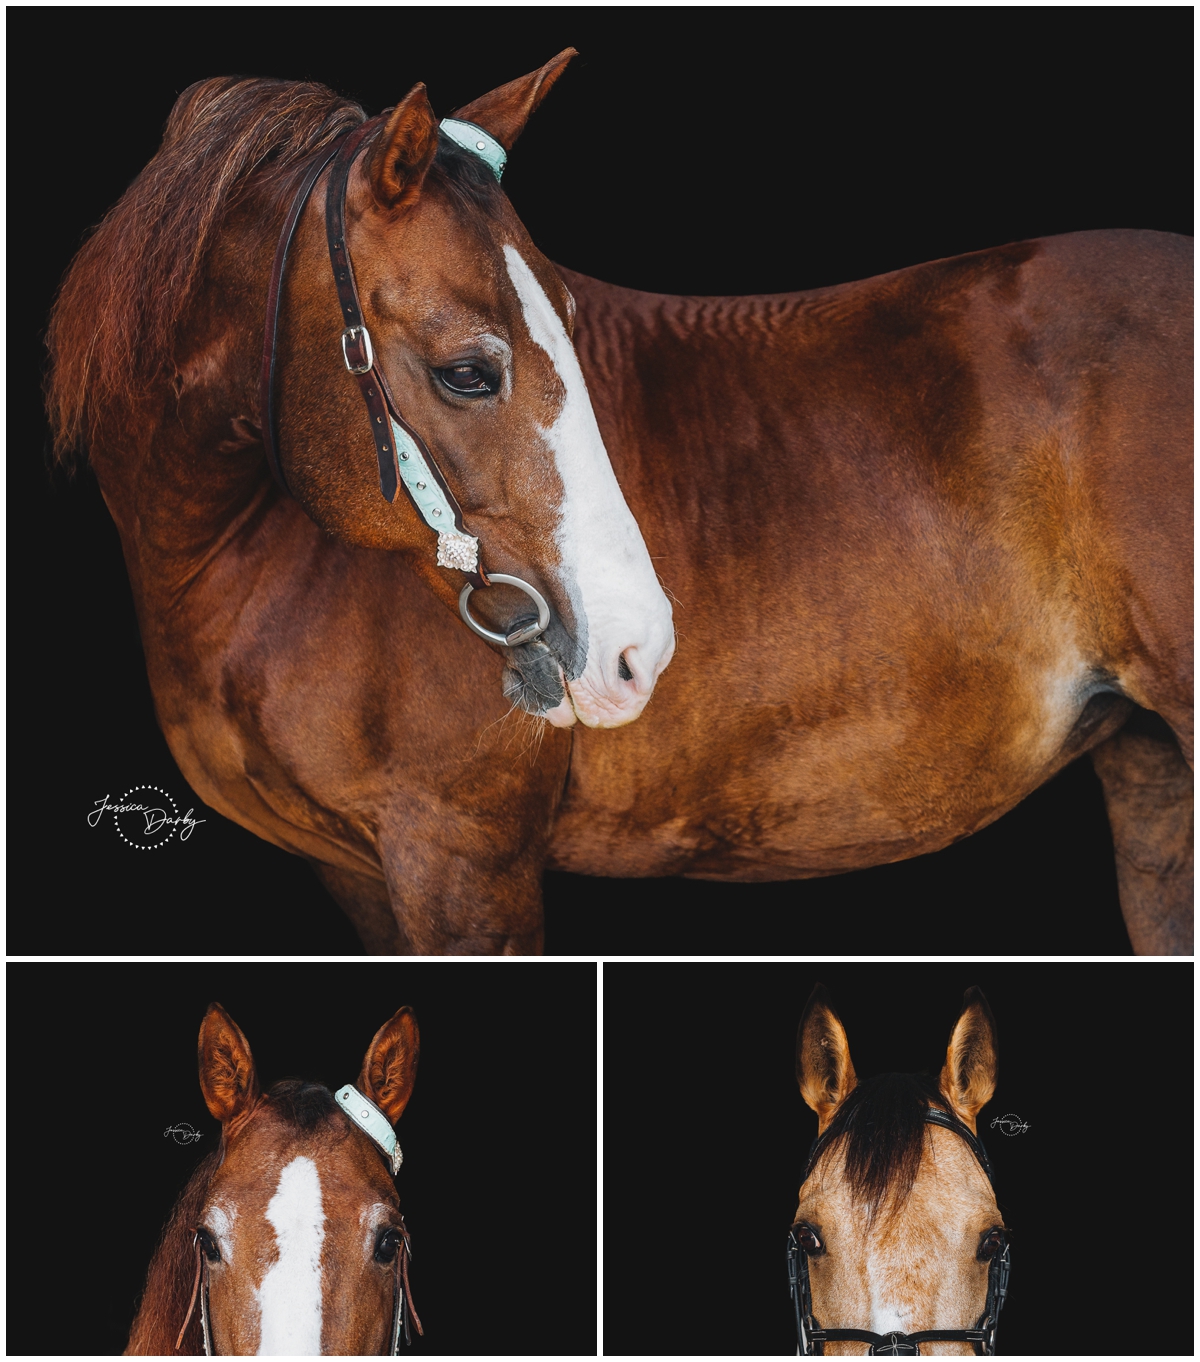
{"type": "Point", "coordinates": [371, 1121]}
{"type": "Point", "coordinates": [471, 137]}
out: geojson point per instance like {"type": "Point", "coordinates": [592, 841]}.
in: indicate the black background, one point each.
{"type": "Point", "coordinates": [499, 1139]}
{"type": "Point", "coordinates": [706, 1135]}
{"type": "Point", "coordinates": [699, 150]}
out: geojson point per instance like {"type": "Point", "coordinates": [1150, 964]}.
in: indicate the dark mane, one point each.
{"type": "Point", "coordinates": [469, 180]}
{"type": "Point", "coordinates": [880, 1129]}
{"type": "Point", "coordinates": [114, 325]}
{"type": "Point", "coordinates": [171, 1274]}
{"type": "Point", "coordinates": [302, 1105]}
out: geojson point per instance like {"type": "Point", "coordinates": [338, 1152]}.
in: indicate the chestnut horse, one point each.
{"type": "Point", "coordinates": [288, 1239]}
{"type": "Point", "coordinates": [928, 535]}
{"type": "Point", "coordinates": [897, 1231]}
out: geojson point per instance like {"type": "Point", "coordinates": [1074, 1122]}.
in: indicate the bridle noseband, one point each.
{"type": "Point", "coordinates": [369, 1119]}
{"type": "Point", "coordinates": [811, 1338]}
{"type": "Point", "coordinates": [403, 456]}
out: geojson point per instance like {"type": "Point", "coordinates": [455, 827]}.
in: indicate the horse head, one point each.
{"type": "Point", "coordinates": [470, 330]}
{"type": "Point", "coordinates": [300, 1228]}
{"type": "Point", "coordinates": [897, 1231]}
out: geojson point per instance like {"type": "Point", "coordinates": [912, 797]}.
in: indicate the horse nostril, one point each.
{"type": "Point", "coordinates": [623, 669]}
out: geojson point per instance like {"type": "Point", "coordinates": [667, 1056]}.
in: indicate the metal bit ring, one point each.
{"type": "Point", "coordinates": [526, 633]}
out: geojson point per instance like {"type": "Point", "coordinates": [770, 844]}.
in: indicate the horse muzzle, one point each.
{"type": "Point", "coordinates": [533, 679]}
{"type": "Point", "coordinates": [614, 692]}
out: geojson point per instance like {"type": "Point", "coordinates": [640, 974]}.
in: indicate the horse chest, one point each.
{"type": "Point", "coordinates": [802, 775]}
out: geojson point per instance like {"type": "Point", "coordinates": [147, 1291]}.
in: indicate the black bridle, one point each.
{"type": "Point", "coordinates": [811, 1338]}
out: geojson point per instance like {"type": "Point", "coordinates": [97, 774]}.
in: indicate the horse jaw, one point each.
{"type": "Point", "coordinates": [606, 571]}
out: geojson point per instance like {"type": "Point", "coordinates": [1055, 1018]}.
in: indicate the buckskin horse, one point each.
{"type": "Point", "coordinates": [928, 534]}
{"type": "Point", "coordinates": [897, 1242]}
{"type": "Point", "coordinates": [288, 1239]}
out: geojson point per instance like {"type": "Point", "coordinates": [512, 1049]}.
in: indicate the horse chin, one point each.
{"type": "Point", "coordinates": [533, 681]}
{"type": "Point", "coordinates": [562, 715]}
{"type": "Point", "coordinates": [597, 707]}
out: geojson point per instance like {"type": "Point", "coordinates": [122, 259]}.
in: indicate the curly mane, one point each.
{"type": "Point", "coordinates": [113, 329]}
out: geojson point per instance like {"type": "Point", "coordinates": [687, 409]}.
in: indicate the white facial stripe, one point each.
{"type": "Point", "coordinates": [885, 1318]}
{"type": "Point", "coordinates": [607, 571]}
{"type": "Point", "coordinates": [290, 1295]}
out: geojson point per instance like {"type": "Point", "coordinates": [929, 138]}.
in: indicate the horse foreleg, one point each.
{"type": "Point", "coordinates": [1148, 793]}
{"type": "Point", "coordinates": [366, 903]}
{"type": "Point", "coordinates": [464, 887]}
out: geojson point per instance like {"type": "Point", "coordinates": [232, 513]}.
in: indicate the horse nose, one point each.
{"type": "Point", "coordinates": [632, 672]}
{"type": "Point", "coordinates": [629, 679]}
{"type": "Point", "coordinates": [646, 659]}
{"type": "Point", "coordinates": [616, 684]}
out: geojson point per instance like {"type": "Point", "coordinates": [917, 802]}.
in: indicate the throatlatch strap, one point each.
{"type": "Point", "coordinates": [187, 1319]}
{"type": "Point", "coordinates": [360, 360]}
{"type": "Point", "coordinates": [412, 1309]}
{"type": "Point", "coordinates": [266, 382]}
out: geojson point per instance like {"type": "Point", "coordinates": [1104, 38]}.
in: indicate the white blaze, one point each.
{"type": "Point", "coordinates": [885, 1317]}
{"type": "Point", "coordinates": [606, 569]}
{"type": "Point", "coordinates": [290, 1295]}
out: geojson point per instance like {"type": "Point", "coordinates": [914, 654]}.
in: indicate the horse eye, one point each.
{"type": "Point", "coordinates": [807, 1238]}
{"type": "Point", "coordinates": [467, 379]}
{"type": "Point", "coordinates": [991, 1243]}
{"type": "Point", "coordinates": [208, 1245]}
{"type": "Point", "coordinates": [386, 1245]}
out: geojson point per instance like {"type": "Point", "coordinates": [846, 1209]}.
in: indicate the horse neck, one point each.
{"type": "Point", "coordinates": [611, 317]}
{"type": "Point", "coordinates": [186, 467]}
{"type": "Point", "coordinates": [712, 364]}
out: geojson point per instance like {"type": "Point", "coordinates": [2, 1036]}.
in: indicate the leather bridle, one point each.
{"type": "Point", "coordinates": [811, 1338]}
{"type": "Point", "coordinates": [403, 457]}
{"type": "Point", "coordinates": [367, 1116]}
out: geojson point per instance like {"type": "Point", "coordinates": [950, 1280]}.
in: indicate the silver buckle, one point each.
{"type": "Point", "coordinates": [358, 336]}
{"type": "Point", "coordinates": [897, 1345]}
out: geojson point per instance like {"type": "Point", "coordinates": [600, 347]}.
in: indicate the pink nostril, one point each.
{"type": "Point", "coordinates": [623, 669]}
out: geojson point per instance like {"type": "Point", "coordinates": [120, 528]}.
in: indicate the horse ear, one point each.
{"type": "Point", "coordinates": [403, 151]}
{"type": "Point", "coordinates": [227, 1075]}
{"type": "Point", "coordinates": [389, 1067]}
{"type": "Point", "coordinates": [505, 111]}
{"type": "Point", "coordinates": [823, 1067]}
{"type": "Point", "coordinates": [968, 1078]}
